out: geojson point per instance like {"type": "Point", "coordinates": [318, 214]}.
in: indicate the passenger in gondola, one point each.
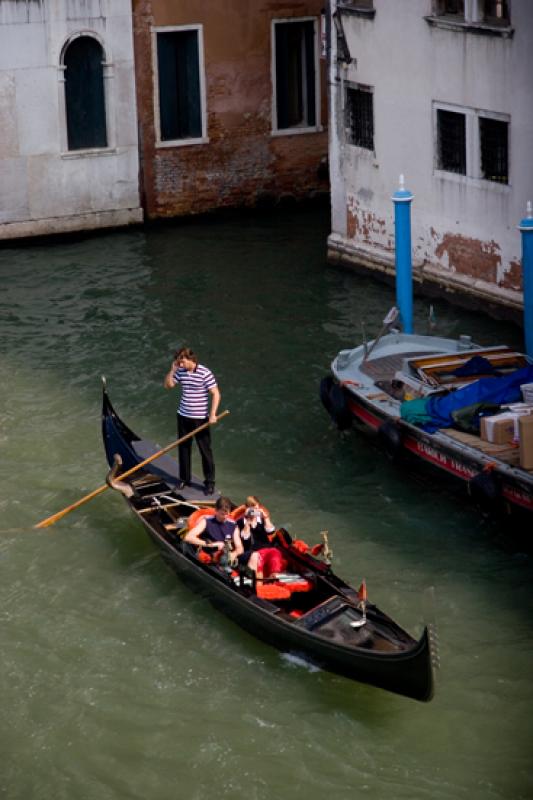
{"type": "Point", "coordinates": [213, 532]}
{"type": "Point", "coordinates": [256, 530]}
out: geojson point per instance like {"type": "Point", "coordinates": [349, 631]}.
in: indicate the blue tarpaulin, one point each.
{"type": "Point", "coordinates": [498, 391]}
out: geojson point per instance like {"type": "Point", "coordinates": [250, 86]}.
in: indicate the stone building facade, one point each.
{"type": "Point", "coordinates": [68, 123]}
{"type": "Point", "coordinates": [439, 90]}
{"type": "Point", "coordinates": [232, 103]}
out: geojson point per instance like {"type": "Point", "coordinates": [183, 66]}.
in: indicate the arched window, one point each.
{"type": "Point", "coordinates": [84, 94]}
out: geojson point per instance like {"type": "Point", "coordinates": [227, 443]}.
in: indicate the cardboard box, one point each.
{"type": "Point", "coordinates": [527, 392]}
{"type": "Point", "coordinates": [498, 429]}
{"type": "Point", "coordinates": [525, 428]}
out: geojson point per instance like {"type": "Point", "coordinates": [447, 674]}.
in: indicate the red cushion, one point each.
{"type": "Point", "coordinates": [272, 591]}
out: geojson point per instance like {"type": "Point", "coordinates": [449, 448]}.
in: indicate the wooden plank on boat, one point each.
{"type": "Point", "coordinates": [385, 367]}
{"type": "Point", "coordinates": [504, 360]}
{"type": "Point", "coordinates": [162, 507]}
{"type": "Point", "coordinates": [460, 358]}
{"type": "Point", "coordinates": [504, 452]}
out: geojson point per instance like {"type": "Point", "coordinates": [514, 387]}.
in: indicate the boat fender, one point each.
{"type": "Point", "coordinates": [333, 399]}
{"type": "Point", "coordinates": [391, 438]}
{"type": "Point", "coordinates": [485, 486]}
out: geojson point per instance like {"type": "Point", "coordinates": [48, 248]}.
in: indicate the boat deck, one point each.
{"type": "Point", "coordinates": [385, 368]}
{"type": "Point", "coordinates": [509, 453]}
{"type": "Point", "coordinates": [382, 370]}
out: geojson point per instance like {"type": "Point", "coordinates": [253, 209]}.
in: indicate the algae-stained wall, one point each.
{"type": "Point", "coordinates": [239, 157]}
{"type": "Point", "coordinates": [473, 69]}
{"type": "Point", "coordinates": [48, 184]}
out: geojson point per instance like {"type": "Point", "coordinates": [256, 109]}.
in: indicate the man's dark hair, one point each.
{"type": "Point", "coordinates": [223, 504]}
{"type": "Point", "coordinates": [186, 352]}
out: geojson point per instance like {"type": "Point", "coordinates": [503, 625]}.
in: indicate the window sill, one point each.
{"type": "Point", "coordinates": [363, 151]}
{"type": "Point", "coordinates": [95, 152]}
{"type": "Point", "coordinates": [477, 28]}
{"type": "Point", "coordinates": [475, 183]}
{"type": "Point", "coordinates": [182, 142]}
{"type": "Point", "coordinates": [297, 131]}
{"type": "Point", "coordinates": [351, 10]}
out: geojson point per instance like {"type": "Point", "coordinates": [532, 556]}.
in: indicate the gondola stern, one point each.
{"type": "Point", "coordinates": [426, 663]}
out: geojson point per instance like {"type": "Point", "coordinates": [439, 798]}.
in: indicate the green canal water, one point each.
{"type": "Point", "coordinates": [116, 680]}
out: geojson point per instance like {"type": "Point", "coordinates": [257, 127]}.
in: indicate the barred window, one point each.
{"type": "Point", "coordinates": [496, 12]}
{"type": "Point", "coordinates": [359, 110]}
{"type": "Point", "coordinates": [366, 5]}
{"type": "Point", "coordinates": [451, 141]}
{"type": "Point", "coordinates": [454, 8]}
{"type": "Point", "coordinates": [493, 136]}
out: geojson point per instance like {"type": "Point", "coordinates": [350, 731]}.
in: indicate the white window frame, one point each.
{"type": "Point", "coordinates": [472, 145]}
{"type": "Point", "coordinates": [316, 55]}
{"type": "Point", "coordinates": [109, 100]}
{"type": "Point", "coordinates": [203, 139]}
{"type": "Point", "coordinates": [473, 12]}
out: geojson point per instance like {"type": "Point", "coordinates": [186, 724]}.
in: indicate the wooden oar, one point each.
{"type": "Point", "coordinates": [45, 523]}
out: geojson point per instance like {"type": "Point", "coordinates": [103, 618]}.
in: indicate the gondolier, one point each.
{"type": "Point", "coordinates": [200, 398]}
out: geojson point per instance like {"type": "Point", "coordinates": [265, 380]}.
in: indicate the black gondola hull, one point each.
{"type": "Point", "coordinates": [398, 672]}
{"type": "Point", "coordinates": [406, 672]}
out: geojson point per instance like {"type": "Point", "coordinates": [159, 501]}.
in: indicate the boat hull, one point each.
{"type": "Point", "coordinates": [407, 670]}
{"type": "Point", "coordinates": [409, 674]}
{"type": "Point", "coordinates": [353, 393]}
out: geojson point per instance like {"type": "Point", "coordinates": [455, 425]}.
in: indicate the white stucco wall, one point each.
{"type": "Point", "coordinates": [45, 188]}
{"type": "Point", "coordinates": [463, 228]}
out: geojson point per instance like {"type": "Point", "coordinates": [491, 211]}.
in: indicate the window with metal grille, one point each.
{"type": "Point", "coordinates": [84, 94]}
{"type": "Point", "coordinates": [359, 117]}
{"type": "Point", "coordinates": [366, 5]}
{"type": "Point", "coordinates": [496, 12]}
{"type": "Point", "coordinates": [451, 141]}
{"type": "Point", "coordinates": [452, 8]}
{"type": "Point", "coordinates": [493, 138]}
{"type": "Point", "coordinates": [178, 67]}
{"type": "Point", "coordinates": [295, 79]}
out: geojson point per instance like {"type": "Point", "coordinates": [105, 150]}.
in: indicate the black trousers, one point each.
{"type": "Point", "coordinates": [203, 440]}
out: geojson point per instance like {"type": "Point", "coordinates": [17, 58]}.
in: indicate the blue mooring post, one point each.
{"type": "Point", "coordinates": [526, 229]}
{"type": "Point", "coordinates": [404, 269]}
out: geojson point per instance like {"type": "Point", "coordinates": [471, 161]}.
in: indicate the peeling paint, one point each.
{"type": "Point", "coordinates": [512, 276]}
{"type": "Point", "coordinates": [473, 257]}
{"type": "Point", "coordinates": [365, 227]}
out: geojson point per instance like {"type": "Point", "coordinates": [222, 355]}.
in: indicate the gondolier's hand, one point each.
{"type": "Point", "coordinates": [212, 419]}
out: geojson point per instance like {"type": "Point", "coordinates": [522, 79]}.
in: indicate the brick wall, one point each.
{"type": "Point", "coordinates": [243, 163]}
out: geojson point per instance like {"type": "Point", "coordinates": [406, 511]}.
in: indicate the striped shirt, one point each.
{"type": "Point", "coordinates": [195, 386]}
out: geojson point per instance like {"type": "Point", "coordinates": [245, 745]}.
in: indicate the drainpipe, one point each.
{"type": "Point", "coordinates": [526, 229]}
{"type": "Point", "coordinates": [404, 270]}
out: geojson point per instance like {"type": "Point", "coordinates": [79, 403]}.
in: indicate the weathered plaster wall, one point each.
{"type": "Point", "coordinates": [44, 188]}
{"type": "Point", "coordinates": [463, 228]}
{"type": "Point", "coordinates": [242, 163]}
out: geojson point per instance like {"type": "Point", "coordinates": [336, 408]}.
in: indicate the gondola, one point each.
{"type": "Point", "coordinates": [316, 615]}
